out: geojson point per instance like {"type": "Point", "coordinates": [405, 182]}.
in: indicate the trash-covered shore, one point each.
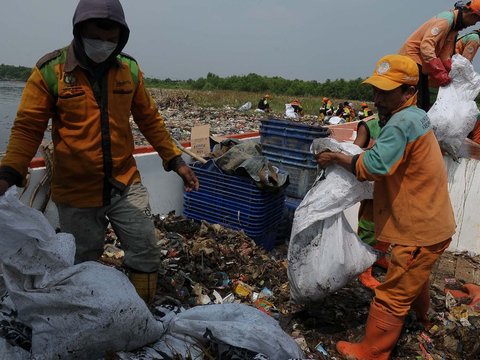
{"type": "Point", "coordinates": [207, 263]}
{"type": "Point", "coordinates": [181, 114]}
{"type": "Point", "coordinates": [211, 264]}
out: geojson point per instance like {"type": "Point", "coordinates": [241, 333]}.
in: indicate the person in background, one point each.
{"type": "Point", "coordinates": [89, 89]}
{"type": "Point", "coordinates": [367, 132]}
{"type": "Point", "coordinates": [408, 170]}
{"type": "Point", "coordinates": [326, 109]}
{"type": "Point", "coordinates": [344, 111]}
{"type": "Point", "coordinates": [297, 107]}
{"type": "Point", "coordinates": [353, 113]}
{"type": "Point", "coordinates": [365, 112]}
{"type": "Point", "coordinates": [433, 43]}
{"type": "Point", "coordinates": [468, 44]}
{"type": "Point", "coordinates": [263, 103]}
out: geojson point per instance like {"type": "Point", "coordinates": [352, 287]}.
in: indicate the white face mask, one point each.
{"type": "Point", "coordinates": [98, 50]}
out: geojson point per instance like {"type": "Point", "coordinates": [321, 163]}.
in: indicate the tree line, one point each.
{"type": "Point", "coordinates": [338, 89]}
{"type": "Point", "coordinates": [10, 72]}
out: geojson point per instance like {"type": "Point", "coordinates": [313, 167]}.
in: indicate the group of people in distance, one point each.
{"type": "Point", "coordinates": [344, 110]}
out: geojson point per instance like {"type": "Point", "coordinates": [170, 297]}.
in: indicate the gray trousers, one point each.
{"type": "Point", "coordinates": [130, 216]}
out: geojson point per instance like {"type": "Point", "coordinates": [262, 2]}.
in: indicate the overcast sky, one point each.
{"type": "Point", "coordinates": [181, 39]}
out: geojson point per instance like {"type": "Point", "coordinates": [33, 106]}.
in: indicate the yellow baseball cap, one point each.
{"type": "Point", "coordinates": [391, 71]}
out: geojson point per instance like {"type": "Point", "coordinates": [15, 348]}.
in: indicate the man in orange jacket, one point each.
{"type": "Point", "coordinates": [89, 89]}
{"type": "Point", "coordinates": [408, 171]}
{"type": "Point", "coordinates": [467, 46]}
{"type": "Point", "coordinates": [432, 45]}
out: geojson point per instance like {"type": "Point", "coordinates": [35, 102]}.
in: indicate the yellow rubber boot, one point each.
{"type": "Point", "coordinates": [381, 335]}
{"type": "Point", "coordinates": [145, 284]}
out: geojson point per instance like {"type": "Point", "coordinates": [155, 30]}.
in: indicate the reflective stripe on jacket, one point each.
{"type": "Point", "coordinates": [93, 141]}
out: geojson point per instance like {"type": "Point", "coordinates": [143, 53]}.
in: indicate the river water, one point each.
{"type": "Point", "coordinates": [10, 93]}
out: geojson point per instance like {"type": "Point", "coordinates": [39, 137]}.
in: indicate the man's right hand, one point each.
{"type": "Point", "coordinates": [3, 187]}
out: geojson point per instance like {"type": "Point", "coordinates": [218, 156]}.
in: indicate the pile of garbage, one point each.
{"type": "Point", "coordinates": [181, 115]}
{"type": "Point", "coordinates": [207, 264]}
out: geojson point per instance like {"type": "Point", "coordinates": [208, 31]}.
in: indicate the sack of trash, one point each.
{"type": "Point", "coordinates": [290, 112]}
{"type": "Point", "coordinates": [73, 311]}
{"type": "Point", "coordinates": [223, 331]}
{"type": "Point", "coordinates": [245, 107]}
{"type": "Point", "coordinates": [454, 113]}
{"type": "Point", "coordinates": [324, 252]}
{"type": "Point", "coordinates": [53, 309]}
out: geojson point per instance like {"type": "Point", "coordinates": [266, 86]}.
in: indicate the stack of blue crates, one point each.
{"type": "Point", "coordinates": [286, 144]}
{"type": "Point", "coordinates": [235, 202]}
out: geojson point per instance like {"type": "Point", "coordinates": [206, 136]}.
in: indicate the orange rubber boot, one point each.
{"type": "Point", "coordinates": [381, 335]}
{"type": "Point", "coordinates": [367, 279]}
{"type": "Point", "coordinates": [421, 306]}
{"type": "Point", "coordinates": [473, 293]}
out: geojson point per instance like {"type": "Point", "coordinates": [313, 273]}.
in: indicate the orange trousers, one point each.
{"type": "Point", "coordinates": [408, 271]}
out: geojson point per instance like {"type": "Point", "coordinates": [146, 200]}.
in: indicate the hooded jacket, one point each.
{"type": "Point", "coordinates": [90, 109]}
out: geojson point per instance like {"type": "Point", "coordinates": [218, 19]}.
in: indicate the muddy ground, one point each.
{"type": "Point", "coordinates": [205, 263]}
{"type": "Point", "coordinates": [201, 260]}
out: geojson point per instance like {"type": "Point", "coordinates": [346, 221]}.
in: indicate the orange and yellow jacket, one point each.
{"type": "Point", "coordinates": [434, 39]}
{"type": "Point", "coordinates": [411, 204]}
{"type": "Point", "coordinates": [468, 45]}
{"type": "Point", "coordinates": [93, 141]}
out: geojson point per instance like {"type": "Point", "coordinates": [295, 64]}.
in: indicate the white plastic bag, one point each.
{"type": "Point", "coordinates": [290, 112]}
{"type": "Point", "coordinates": [454, 113]}
{"type": "Point", "coordinates": [245, 107]}
{"type": "Point", "coordinates": [335, 120]}
{"type": "Point", "coordinates": [74, 311]}
{"type": "Point", "coordinates": [324, 252]}
{"type": "Point", "coordinates": [239, 331]}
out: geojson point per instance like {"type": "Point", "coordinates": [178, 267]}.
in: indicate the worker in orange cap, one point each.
{"type": "Point", "coordinates": [297, 107]}
{"type": "Point", "coordinates": [263, 103]}
{"type": "Point", "coordinates": [326, 109]}
{"type": "Point", "coordinates": [433, 43]}
{"type": "Point", "coordinates": [467, 45]}
{"type": "Point", "coordinates": [408, 170]}
{"type": "Point", "coordinates": [365, 112]}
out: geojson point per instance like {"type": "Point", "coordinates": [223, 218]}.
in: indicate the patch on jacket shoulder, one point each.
{"type": "Point", "coordinates": [48, 57]}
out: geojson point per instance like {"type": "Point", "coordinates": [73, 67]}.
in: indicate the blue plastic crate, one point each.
{"type": "Point", "coordinates": [215, 179]}
{"type": "Point", "coordinates": [285, 226]}
{"type": "Point", "coordinates": [301, 176]}
{"type": "Point", "coordinates": [235, 202]}
{"type": "Point", "coordinates": [283, 153]}
{"type": "Point", "coordinates": [288, 134]}
{"type": "Point", "coordinates": [264, 236]}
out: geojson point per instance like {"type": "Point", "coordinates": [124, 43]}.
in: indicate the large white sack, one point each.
{"type": "Point", "coordinates": [290, 112]}
{"type": "Point", "coordinates": [324, 252]}
{"type": "Point", "coordinates": [454, 113]}
{"type": "Point", "coordinates": [75, 311]}
{"type": "Point", "coordinates": [239, 331]}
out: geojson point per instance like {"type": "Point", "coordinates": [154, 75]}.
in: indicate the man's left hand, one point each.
{"type": "Point", "coordinates": [189, 178]}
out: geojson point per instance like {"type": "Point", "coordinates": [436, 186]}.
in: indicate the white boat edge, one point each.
{"type": "Point", "coordinates": [166, 190]}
